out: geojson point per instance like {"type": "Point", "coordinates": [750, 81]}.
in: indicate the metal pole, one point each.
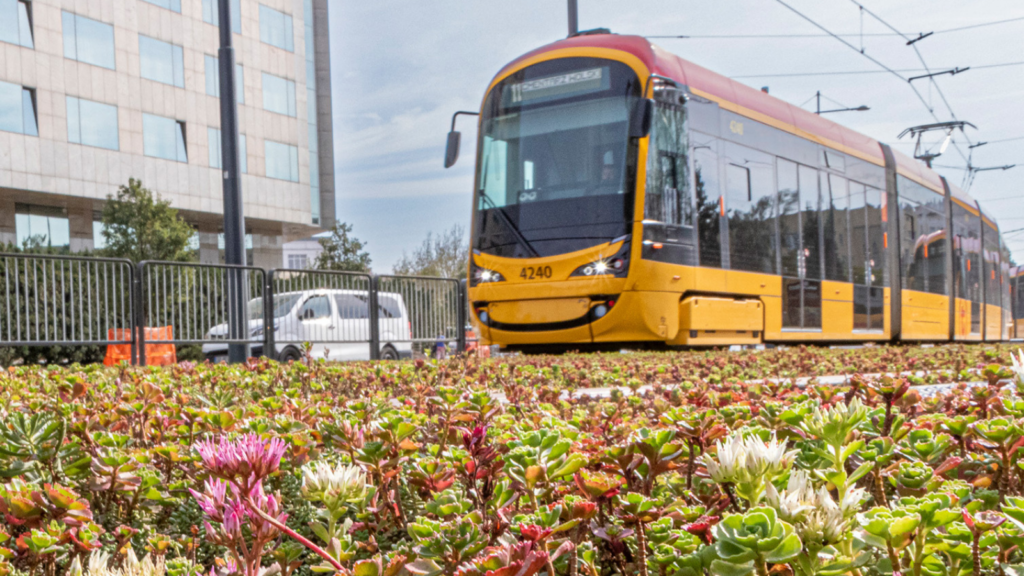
{"type": "Point", "coordinates": [234, 219]}
{"type": "Point", "coordinates": [817, 109]}
{"type": "Point", "coordinates": [574, 23]}
{"type": "Point", "coordinates": [269, 345]}
{"type": "Point", "coordinates": [373, 295]}
{"type": "Point", "coordinates": [460, 314]}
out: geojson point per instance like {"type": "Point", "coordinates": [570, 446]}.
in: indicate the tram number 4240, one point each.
{"type": "Point", "coordinates": [535, 273]}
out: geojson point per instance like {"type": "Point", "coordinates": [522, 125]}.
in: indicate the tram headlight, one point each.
{"type": "Point", "coordinates": [616, 266]}
{"type": "Point", "coordinates": [484, 276]}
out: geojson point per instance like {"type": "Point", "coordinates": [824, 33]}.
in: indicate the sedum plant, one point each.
{"type": "Point", "coordinates": [746, 544]}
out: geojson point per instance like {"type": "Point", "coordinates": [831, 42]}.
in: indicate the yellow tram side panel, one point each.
{"type": "Point", "coordinates": [993, 323]}
{"type": "Point", "coordinates": [837, 319]}
{"type": "Point", "coordinates": [962, 322]}
{"type": "Point", "coordinates": [925, 316]}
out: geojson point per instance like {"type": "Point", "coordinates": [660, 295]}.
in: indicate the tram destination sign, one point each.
{"type": "Point", "coordinates": [557, 87]}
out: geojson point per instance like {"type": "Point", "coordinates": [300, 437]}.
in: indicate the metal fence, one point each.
{"type": "Point", "coordinates": [188, 303]}
{"type": "Point", "coordinates": [66, 300]}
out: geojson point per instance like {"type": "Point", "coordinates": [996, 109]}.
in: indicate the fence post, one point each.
{"type": "Point", "coordinates": [374, 319]}
{"type": "Point", "coordinates": [140, 315]}
{"type": "Point", "coordinates": [269, 346]}
{"type": "Point", "coordinates": [461, 315]}
{"type": "Point", "coordinates": [133, 288]}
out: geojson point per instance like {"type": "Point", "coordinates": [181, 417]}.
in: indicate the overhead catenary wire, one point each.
{"type": "Point", "coordinates": [931, 78]}
{"type": "Point", "coordinates": [829, 35]}
{"type": "Point", "coordinates": [859, 72]}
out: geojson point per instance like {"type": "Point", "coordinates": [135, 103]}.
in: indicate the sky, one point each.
{"type": "Point", "coordinates": [401, 68]}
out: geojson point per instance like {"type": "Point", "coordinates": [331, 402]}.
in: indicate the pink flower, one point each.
{"type": "Point", "coordinates": [248, 456]}
{"type": "Point", "coordinates": [211, 500]}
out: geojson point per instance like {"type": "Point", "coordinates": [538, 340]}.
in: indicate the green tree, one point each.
{"type": "Point", "coordinates": [138, 225]}
{"type": "Point", "coordinates": [445, 255]}
{"type": "Point", "coordinates": [343, 252]}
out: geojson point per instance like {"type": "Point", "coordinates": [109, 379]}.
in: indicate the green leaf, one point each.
{"type": "Point", "coordinates": [366, 568]}
{"type": "Point", "coordinates": [860, 472]}
{"type": "Point", "coordinates": [904, 525]}
{"type": "Point", "coordinates": [788, 549]}
{"type": "Point", "coordinates": [722, 568]}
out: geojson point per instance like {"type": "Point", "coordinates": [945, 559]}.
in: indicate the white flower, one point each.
{"type": "Point", "coordinates": [796, 500]}
{"type": "Point", "coordinates": [132, 566]}
{"type": "Point", "coordinates": [814, 514]}
{"type": "Point", "coordinates": [1018, 365]}
{"type": "Point", "coordinates": [333, 486]}
{"type": "Point", "coordinates": [743, 459]}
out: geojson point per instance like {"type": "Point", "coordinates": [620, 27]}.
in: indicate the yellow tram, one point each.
{"type": "Point", "coordinates": [624, 195]}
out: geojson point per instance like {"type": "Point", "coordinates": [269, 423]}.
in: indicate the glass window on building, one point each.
{"type": "Point", "coordinates": [276, 28]}
{"type": "Point", "coordinates": [88, 40]}
{"type": "Point", "coordinates": [18, 109]}
{"type": "Point", "coordinates": [16, 22]}
{"type": "Point", "coordinates": [213, 79]}
{"type": "Point", "coordinates": [297, 261]}
{"type": "Point", "coordinates": [172, 5]}
{"type": "Point", "coordinates": [213, 138]}
{"type": "Point", "coordinates": [163, 138]}
{"type": "Point", "coordinates": [92, 123]}
{"type": "Point", "coordinates": [161, 61]}
{"type": "Point", "coordinates": [282, 161]}
{"type": "Point", "coordinates": [278, 95]}
{"type": "Point", "coordinates": [98, 241]}
{"type": "Point", "coordinates": [41, 226]}
{"type": "Point", "coordinates": [216, 156]}
{"type": "Point", "coordinates": [211, 14]}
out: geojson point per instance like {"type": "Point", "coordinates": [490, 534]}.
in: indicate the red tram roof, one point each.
{"type": "Point", "coordinates": [743, 99]}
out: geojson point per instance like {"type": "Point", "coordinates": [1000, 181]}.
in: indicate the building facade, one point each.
{"type": "Point", "coordinates": [301, 254]}
{"type": "Point", "coordinates": [93, 93]}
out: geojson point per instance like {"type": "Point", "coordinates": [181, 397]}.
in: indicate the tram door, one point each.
{"type": "Point", "coordinates": [867, 256]}
{"type": "Point", "coordinates": [800, 246]}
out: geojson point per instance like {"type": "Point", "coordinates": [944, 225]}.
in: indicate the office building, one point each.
{"type": "Point", "coordinates": [93, 93]}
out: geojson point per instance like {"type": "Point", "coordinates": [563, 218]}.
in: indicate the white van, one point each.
{"type": "Point", "coordinates": [335, 322]}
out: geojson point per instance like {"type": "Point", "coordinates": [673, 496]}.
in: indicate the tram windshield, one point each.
{"type": "Point", "coordinates": [556, 168]}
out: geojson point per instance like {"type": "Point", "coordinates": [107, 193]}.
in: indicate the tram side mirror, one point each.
{"type": "Point", "coordinates": [641, 117]}
{"type": "Point", "coordinates": [451, 151]}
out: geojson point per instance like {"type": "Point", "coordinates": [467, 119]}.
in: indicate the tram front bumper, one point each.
{"type": "Point", "coordinates": [626, 317]}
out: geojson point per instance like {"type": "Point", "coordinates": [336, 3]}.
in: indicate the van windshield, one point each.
{"type": "Point", "coordinates": [283, 304]}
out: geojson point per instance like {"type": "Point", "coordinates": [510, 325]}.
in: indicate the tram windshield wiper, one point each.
{"type": "Point", "coordinates": [500, 211]}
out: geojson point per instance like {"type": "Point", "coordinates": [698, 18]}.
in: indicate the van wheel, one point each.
{"type": "Point", "coordinates": [389, 353]}
{"type": "Point", "coordinates": [290, 355]}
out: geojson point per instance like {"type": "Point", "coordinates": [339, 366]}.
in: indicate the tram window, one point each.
{"type": "Point", "coordinates": [992, 266]}
{"type": "Point", "coordinates": [877, 273]}
{"type": "Point", "coordinates": [911, 245]}
{"type": "Point", "coordinates": [789, 218]}
{"type": "Point", "coordinates": [858, 233]}
{"type": "Point", "coordinates": [833, 160]}
{"type": "Point", "coordinates": [791, 305]}
{"type": "Point", "coordinates": [737, 183]}
{"type": "Point", "coordinates": [922, 238]}
{"type": "Point", "coordinates": [667, 196]}
{"type": "Point", "coordinates": [750, 206]}
{"type": "Point", "coordinates": [528, 175]}
{"type": "Point", "coordinates": [836, 228]}
{"type": "Point", "coordinates": [812, 304]}
{"type": "Point", "coordinates": [706, 189]}
{"type": "Point", "coordinates": [493, 173]}
{"type": "Point", "coordinates": [810, 202]}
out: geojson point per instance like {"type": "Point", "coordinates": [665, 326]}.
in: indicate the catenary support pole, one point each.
{"type": "Point", "coordinates": [234, 219]}
{"type": "Point", "coordinates": [574, 23]}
